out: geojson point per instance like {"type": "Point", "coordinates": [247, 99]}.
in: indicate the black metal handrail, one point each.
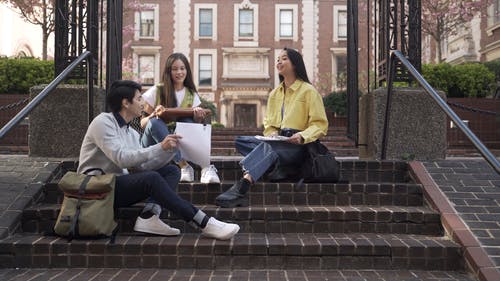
{"type": "Point", "coordinates": [444, 106]}
{"type": "Point", "coordinates": [87, 55]}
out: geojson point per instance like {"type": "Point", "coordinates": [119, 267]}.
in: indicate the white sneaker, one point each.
{"type": "Point", "coordinates": [209, 175]}
{"type": "Point", "coordinates": [187, 173]}
{"type": "Point", "coordinates": [155, 226]}
{"type": "Point", "coordinates": [220, 230]}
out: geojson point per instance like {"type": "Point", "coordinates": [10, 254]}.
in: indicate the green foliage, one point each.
{"type": "Point", "coordinates": [336, 102]}
{"type": "Point", "coordinates": [464, 80]}
{"type": "Point", "coordinates": [217, 125]}
{"type": "Point", "coordinates": [17, 76]}
{"type": "Point", "coordinates": [494, 66]}
{"type": "Point", "coordinates": [209, 105]}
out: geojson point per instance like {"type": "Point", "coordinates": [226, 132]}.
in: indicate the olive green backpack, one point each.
{"type": "Point", "coordinates": [87, 208]}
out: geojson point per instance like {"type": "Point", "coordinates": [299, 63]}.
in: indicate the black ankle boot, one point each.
{"type": "Point", "coordinates": [236, 196]}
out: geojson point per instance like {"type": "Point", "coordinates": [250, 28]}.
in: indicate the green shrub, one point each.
{"type": "Point", "coordinates": [17, 76]}
{"type": "Point", "coordinates": [336, 102]}
{"type": "Point", "coordinates": [217, 125]}
{"type": "Point", "coordinates": [494, 66]}
{"type": "Point", "coordinates": [464, 80]}
{"type": "Point", "coordinates": [209, 105]}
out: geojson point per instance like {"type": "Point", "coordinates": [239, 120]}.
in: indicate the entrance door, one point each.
{"type": "Point", "coordinates": [245, 115]}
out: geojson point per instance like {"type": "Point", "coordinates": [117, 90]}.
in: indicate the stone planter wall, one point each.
{"type": "Point", "coordinates": [58, 124]}
{"type": "Point", "coordinates": [417, 127]}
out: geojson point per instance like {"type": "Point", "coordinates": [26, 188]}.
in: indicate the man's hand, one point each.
{"type": "Point", "coordinates": [170, 142]}
{"type": "Point", "coordinates": [296, 139]}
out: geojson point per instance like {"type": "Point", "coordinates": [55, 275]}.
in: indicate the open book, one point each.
{"type": "Point", "coordinates": [272, 138]}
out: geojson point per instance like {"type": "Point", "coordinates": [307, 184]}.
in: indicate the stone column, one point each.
{"type": "Point", "coordinates": [57, 125]}
{"type": "Point", "coordinates": [416, 129]}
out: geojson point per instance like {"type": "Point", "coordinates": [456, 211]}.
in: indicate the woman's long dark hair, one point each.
{"type": "Point", "coordinates": [168, 85]}
{"type": "Point", "coordinates": [298, 63]}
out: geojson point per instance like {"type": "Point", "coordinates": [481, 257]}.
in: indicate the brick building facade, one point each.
{"type": "Point", "coordinates": [232, 46]}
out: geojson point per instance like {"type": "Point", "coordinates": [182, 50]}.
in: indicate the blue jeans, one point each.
{"type": "Point", "coordinates": [156, 186]}
{"type": "Point", "coordinates": [156, 130]}
{"type": "Point", "coordinates": [262, 155]}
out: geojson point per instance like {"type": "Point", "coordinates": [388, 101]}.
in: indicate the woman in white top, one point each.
{"type": "Point", "coordinates": [177, 90]}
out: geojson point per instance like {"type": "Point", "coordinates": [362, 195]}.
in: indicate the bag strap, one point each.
{"type": "Point", "coordinates": [73, 230]}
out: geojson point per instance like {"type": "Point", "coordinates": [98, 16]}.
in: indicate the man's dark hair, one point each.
{"type": "Point", "coordinates": [119, 90]}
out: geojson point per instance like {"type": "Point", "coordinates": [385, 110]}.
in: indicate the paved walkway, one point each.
{"type": "Point", "coordinates": [473, 188]}
{"type": "Point", "coordinates": [470, 184]}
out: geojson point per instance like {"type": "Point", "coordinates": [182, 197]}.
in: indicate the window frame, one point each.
{"type": "Point", "coordinates": [146, 51]}
{"type": "Point", "coordinates": [295, 26]}
{"type": "Point", "coordinates": [246, 41]}
{"type": "Point", "coordinates": [336, 11]}
{"type": "Point", "coordinates": [196, 68]}
{"type": "Point", "coordinates": [156, 28]}
{"type": "Point", "coordinates": [199, 7]}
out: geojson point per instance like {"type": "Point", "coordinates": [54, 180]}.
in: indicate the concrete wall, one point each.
{"type": "Point", "coordinates": [58, 124]}
{"type": "Point", "coordinates": [416, 130]}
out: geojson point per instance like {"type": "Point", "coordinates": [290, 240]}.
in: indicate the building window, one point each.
{"type": "Point", "coordinates": [147, 24]}
{"type": "Point", "coordinates": [494, 13]}
{"type": "Point", "coordinates": [286, 23]}
{"type": "Point", "coordinates": [342, 24]}
{"type": "Point", "coordinates": [339, 23]}
{"type": "Point", "coordinates": [205, 22]}
{"type": "Point", "coordinates": [205, 70]}
{"type": "Point", "coordinates": [146, 67]}
{"type": "Point", "coordinates": [246, 23]}
{"type": "Point", "coordinates": [341, 75]}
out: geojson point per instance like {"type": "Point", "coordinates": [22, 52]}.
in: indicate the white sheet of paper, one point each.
{"type": "Point", "coordinates": [195, 144]}
{"type": "Point", "coordinates": [272, 138]}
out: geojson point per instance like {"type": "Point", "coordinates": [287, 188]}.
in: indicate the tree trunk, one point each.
{"type": "Point", "coordinates": [45, 36]}
{"type": "Point", "coordinates": [439, 51]}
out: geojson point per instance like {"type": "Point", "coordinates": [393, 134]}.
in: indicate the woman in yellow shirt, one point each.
{"type": "Point", "coordinates": [295, 110]}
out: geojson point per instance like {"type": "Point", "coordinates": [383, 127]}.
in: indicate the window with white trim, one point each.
{"type": "Point", "coordinates": [205, 70]}
{"type": "Point", "coordinates": [205, 21]}
{"type": "Point", "coordinates": [146, 23]}
{"type": "Point", "coordinates": [147, 20]}
{"type": "Point", "coordinates": [245, 26]}
{"type": "Point", "coordinates": [146, 69]}
{"type": "Point", "coordinates": [286, 22]}
{"type": "Point", "coordinates": [246, 23]}
{"type": "Point", "coordinates": [339, 23]}
{"type": "Point", "coordinates": [341, 74]}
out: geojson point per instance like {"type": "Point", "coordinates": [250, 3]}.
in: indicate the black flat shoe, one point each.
{"type": "Point", "coordinates": [232, 197]}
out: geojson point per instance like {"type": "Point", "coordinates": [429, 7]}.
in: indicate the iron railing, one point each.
{"type": "Point", "coordinates": [397, 55]}
{"type": "Point", "coordinates": [87, 55]}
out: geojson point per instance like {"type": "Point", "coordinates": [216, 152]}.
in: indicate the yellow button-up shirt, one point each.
{"type": "Point", "coordinates": [303, 110]}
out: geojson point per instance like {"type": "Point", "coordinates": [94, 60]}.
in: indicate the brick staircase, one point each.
{"type": "Point", "coordinates": [376, 221]}
{"type": "Point", "coordinates": [223, 141]}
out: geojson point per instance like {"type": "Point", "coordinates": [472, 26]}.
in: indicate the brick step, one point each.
{"type": "Point", "coordinates": [275, 219]}
{"type": "Point", "coordinates": [237, 274]}
{"type": "Point", "coordinates": [246, 250]}
{"type": "Point", "coordinates": [263, 251]}
{"type": "Point", "coordinates": [264, 193]}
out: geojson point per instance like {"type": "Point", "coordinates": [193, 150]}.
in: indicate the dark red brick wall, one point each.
{"type": "Point", "coordinates": [485, 126]}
